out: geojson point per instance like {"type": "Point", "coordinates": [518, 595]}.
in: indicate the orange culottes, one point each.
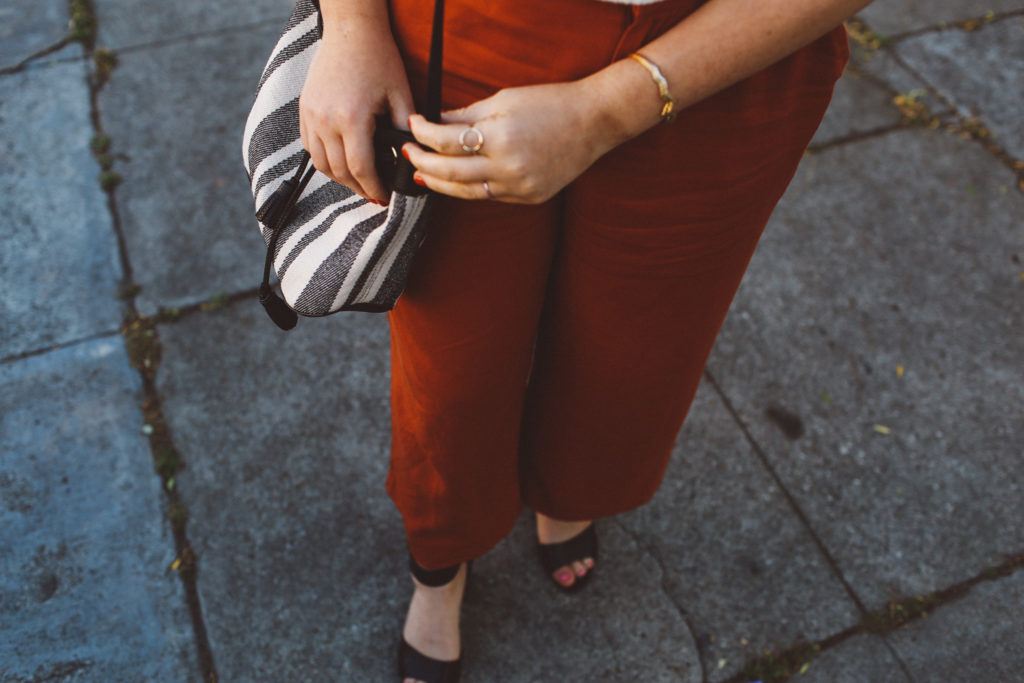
{"type": "Point", "coordinates": [548, 354]}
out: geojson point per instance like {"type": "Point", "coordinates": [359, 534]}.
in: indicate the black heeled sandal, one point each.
{"type": "Point", "coordinates": [411, 662]}
{"type": "Point", "coordinates": [554, 555]}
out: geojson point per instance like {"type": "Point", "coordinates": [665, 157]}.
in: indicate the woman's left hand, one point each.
{"type": "Point", "coordinates": [537, 139]}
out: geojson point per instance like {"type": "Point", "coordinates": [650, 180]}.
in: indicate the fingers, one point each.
{"type": "Point", "coordinates": [347, 160]}
{"type": "Point", "coordinates": [464, 168]}
{"type": "Point", "coordinates": [444, 137]}
{"type": "Point", "coordinates": [470, 190]}
{"type": "Point", "coordinates": [302, 128]}
{"type": "Point", "coordinates": [362, 164]}
{"type": "Point", "coordinates": [337, 168]}
{"type": "Point", "coordinates": [455, 189]}
{"type": "Point", "coordinates": [317, 154]}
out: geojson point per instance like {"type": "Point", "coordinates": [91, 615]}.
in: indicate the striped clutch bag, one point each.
{"type": "Point", "coordinates": [331, 249]}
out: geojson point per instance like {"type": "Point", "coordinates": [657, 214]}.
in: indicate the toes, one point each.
{"type": "Point", "coordinates": [564, 576]}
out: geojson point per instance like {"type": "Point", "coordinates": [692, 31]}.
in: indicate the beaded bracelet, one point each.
{"type": "Point", "coordinates": [668, 112]}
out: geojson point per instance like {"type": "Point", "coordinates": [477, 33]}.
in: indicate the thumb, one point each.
{"type": "Point", "coordinates": [401, 108]}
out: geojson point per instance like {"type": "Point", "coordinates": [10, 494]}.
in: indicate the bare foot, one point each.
{"type": "Point", "coordinates": [432, 623]}
{"type": "Point", "coordinates": [550, 530]}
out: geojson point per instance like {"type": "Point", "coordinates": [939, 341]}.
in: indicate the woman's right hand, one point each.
{"type": "Point", "coordinates": [356, 74]}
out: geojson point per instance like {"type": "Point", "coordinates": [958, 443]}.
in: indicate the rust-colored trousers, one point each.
{"type": "Point", "coordinates": [548, 354]}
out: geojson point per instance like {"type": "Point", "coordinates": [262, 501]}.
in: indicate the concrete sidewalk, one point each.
{"type": "Point", "coordinates": [844, 504]}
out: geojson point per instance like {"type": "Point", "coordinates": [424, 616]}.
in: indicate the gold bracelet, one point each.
{"type": "Point", "coordinates": [668, 112]}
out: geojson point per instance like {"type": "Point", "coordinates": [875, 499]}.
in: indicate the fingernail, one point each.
{"type": "Point", "coordinates": [408, 121]}
{"type": "Point", "coordinates": [405, 152]}
{"type": "Point", "coordinates": [418, 179]}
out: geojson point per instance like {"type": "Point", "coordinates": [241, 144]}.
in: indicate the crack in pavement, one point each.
{"type": "Point", "coordinates": [142, 344]}
{"type": "Point", "coordinates": [948, 120]}
{"type": "Point", "coordinates": [20, 66]}
{"type": "Point", "coordinates": [38, 351]}
{"type": "Point", "coordinates": [968, 25]}
{"type": "Point", "coordinates": [884, 621]}
{"type": "Point", "coordinates": [653, 551]}
{"type": "Point", "coordinates": [187, 37]}
{"type": "Point", "coordinates": [794, 505]}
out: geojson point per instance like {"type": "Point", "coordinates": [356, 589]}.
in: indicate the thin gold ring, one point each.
{"type": "Point", "coordinates": [479, 139]}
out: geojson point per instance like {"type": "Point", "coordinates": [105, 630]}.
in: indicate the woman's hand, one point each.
{"type": "Point", "coordinates": [356, 74]}
{"type": "Point", "coordinates": [537, 139]}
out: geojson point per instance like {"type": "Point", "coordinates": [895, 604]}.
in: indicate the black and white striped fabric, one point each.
{"type": "Point", "coordinates": [339, 251]}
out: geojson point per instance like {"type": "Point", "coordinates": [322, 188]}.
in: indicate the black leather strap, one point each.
{"type": "Point", "coordinates": [415, 664]}
{"type": "Point", "coordinates": [434, 69]}
{"type": "Point", "coordinates": [433, 577]}
{"type": "Point", "coordinates": [583, 544]}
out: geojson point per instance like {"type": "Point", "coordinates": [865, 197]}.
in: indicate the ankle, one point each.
{"type": "Point", "coordinates": [550, 530]}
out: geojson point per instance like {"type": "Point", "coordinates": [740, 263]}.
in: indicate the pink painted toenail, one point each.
{"type": "Point", "coordinates": [581, 571]}
{"type": "Point", "coordinates": [564, 576]}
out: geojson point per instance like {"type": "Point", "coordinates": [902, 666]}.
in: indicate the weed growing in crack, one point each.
{"type": "Point", "coordinates": [216, 302]}
{"type": "Point", "coordinates": [913, 109]}
{"type": "Point", "coordinates": [82, 25]}
{"type": "Point", "coordinates": [110, 180]}
{"type": "Point", "coordinates": [776, 667]}
{"type": "Point", "coordinates": [864, 36]}
{"type": "Point", "coordinates": [104, 61]}
{"type": "Point", "coordinates": [975, 23]}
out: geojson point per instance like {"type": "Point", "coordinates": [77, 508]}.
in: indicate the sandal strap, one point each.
{"type": "Point", "coordinates": [555, 555]}
{"type": "Point", "coordinates": [433, 577]}
{"type": "Point", "coordinates": [415, 664]}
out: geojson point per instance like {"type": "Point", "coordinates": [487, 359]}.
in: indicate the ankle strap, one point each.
{"type": "Point", "coordinates": [432, 577]}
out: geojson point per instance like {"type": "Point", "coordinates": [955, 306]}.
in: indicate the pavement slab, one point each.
{"type": "Point", "coordinates": [861, 659]}
{"type": "Point", "coordinates": [735, 557]}
{"type": "Point", "coordinates": [59, 266]}
{"type": "Point", "coordinates": [121, 24]}
{"type": "Point", "coordinates": [302, 565]}
{"type": "Point", "coordinates": [891, 17]}
{"type": "Point", "coordinates": [884, 68]}
{"type": "Point", "coordinates": [859, 105]}
{"type": "Point", "coordinates": [85, 592]}
{"type": "Point", "coordinates": [27, 26]}
{"type": "Point", "coordinates": [978, 637]}
{"type": "Point", "coordinates": [185, 204]}
{"type": "Point", "coordinates": [981, 71]}
{"type": "Point", "coordinates": [901, 251]}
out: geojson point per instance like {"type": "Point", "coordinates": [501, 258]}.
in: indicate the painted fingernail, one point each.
{"type": "Point", "coordinates": [418, 179]}
{"type": "Point", "coordinates": [405, 152]}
